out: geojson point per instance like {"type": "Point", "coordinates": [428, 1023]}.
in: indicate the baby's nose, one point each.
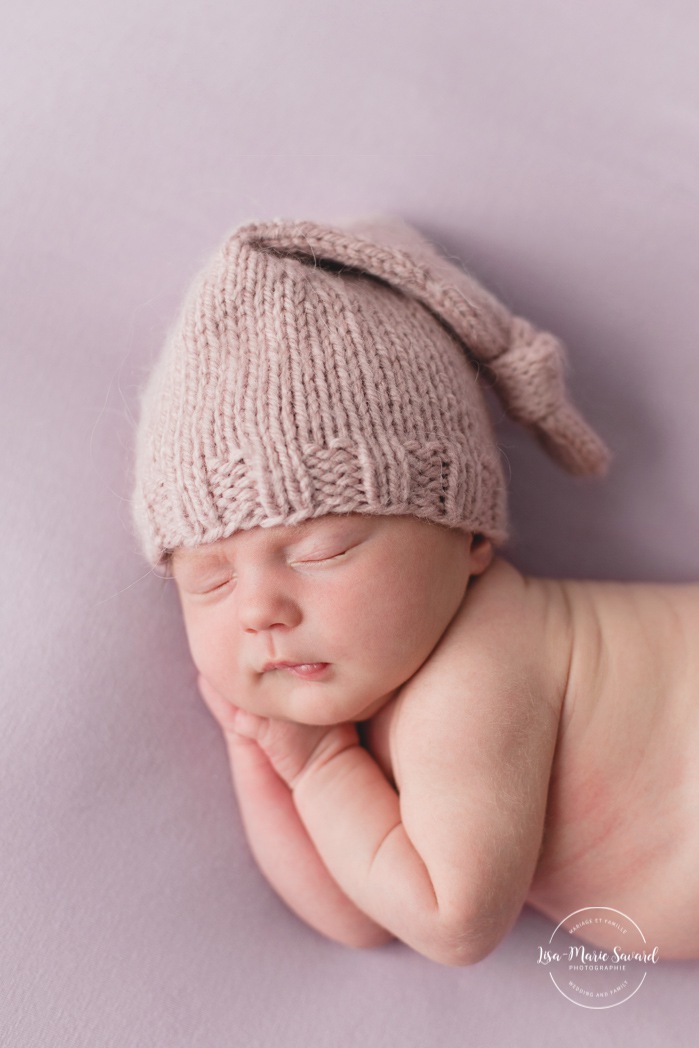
{"type": "Point", "coordinates": [264, 604]}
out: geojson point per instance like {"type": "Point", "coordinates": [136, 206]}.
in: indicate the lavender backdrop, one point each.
{"type": "Point", "coordinates": [555, 149]}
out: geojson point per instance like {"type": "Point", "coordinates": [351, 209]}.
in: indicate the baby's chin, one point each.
{"type": "Point", "coordinates": [322, 702]}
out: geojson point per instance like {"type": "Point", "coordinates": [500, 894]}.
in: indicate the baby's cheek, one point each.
{"type": "Point", "coordinates": [196, 641]}
{"type": "Point", "coordinates": [218, 658]}
{"type": "Point", "coordinates": [217, 662]}
{"type": "Point", "coordinates": [398, 645]}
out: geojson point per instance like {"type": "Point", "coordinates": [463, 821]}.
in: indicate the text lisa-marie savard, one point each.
{"type": "Point", "coordinates": [585, 956]}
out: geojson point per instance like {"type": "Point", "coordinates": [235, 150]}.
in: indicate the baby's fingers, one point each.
{"type": "Point", "coordinates": [292, 748]}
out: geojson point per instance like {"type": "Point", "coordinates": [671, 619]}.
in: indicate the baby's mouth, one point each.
{"type": "Point", "coordinates": [304, 670]}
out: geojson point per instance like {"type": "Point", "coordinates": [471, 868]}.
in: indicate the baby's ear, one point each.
{"type": "Point", "coordinates": [481, 553]}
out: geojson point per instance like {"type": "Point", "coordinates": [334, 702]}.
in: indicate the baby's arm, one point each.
{"type": "Point", "coordinates": [280, 843]}
{"type": "Point", "coordinates": [447, 864]}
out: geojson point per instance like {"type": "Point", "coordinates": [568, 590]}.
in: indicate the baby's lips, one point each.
{"type": "Point", "coordinates": [304, 669]}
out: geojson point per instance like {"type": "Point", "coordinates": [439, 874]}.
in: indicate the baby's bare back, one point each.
{"type": "Point", "coordinates": [622, 826]}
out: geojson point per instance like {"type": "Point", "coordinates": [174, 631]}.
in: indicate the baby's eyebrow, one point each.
{"type": "Point", "coordinates": [196, 559]}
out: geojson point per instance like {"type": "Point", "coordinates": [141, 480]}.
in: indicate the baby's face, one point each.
{"type": "Point", "coordinates": [353, 604]}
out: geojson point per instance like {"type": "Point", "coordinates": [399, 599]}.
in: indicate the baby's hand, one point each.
{"type": "Point", "coordinates": [267, 757]}
{"type": "Point", "coordinates": [290, 748]}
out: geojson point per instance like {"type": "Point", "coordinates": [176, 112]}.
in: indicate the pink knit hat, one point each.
{"type": "Point", "coordinates": [321, 369]}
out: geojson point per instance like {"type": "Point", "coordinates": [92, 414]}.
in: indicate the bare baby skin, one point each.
{"type": "Point", "coordinates": [454, 739]}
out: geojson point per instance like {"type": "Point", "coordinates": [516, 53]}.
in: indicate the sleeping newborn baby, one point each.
{"type": "Point", "coordinates": [422, 739]}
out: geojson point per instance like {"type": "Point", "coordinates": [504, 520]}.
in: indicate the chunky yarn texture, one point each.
{"type": "Point", "coordinates": [319, 369]}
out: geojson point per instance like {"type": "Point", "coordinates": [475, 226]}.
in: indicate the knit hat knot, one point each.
{"type": "Point", "coordinates": [530, 380]}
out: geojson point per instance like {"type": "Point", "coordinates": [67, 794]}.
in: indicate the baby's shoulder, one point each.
{"type": "Point", "coordinates": [489, 697]}
{"type": "Point", "coordinates": [506, 649]}
{"type": "Point", "coordinates": [524, 621]}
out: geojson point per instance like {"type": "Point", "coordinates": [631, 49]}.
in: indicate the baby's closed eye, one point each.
{"type": "Point", "coordinates": [321, 558]}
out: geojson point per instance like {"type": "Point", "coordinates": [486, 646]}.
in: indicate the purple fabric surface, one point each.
{"type": "Point", "coordinates": [554, 148]}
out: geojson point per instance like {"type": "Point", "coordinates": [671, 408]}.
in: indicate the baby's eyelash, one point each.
{"type": "Point", "coordinates": [220, 585]}
{"type": "Point", "coordinates": [308, 560]}
{"type": "Point", "coordinates": [321, 560]}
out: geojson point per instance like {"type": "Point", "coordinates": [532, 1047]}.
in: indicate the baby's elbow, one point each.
{"type": "Point", "coordinates": [462, 943]}
{"type": "Point", "coordinates": [454, 946]}
{"type": "Point", "coordinates": [458, 953]}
